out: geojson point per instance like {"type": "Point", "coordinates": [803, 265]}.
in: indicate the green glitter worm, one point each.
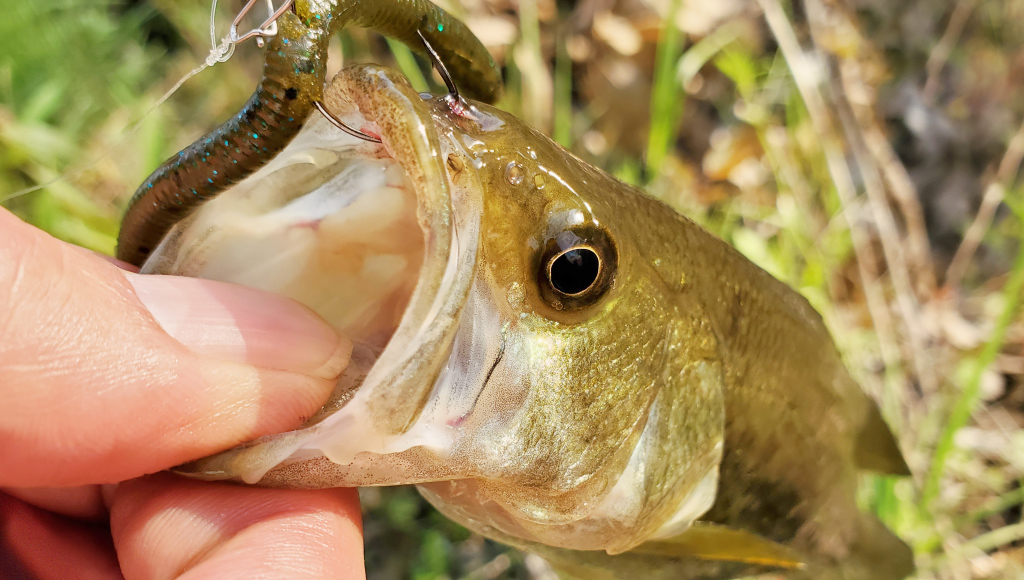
{"type": "Point", "coordinates": [293, 80]}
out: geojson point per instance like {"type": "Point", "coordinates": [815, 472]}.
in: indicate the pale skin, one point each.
{"type": "Point", "coordinates": [107, 377]}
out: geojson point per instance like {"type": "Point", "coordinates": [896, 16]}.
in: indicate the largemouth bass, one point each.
{"type": "Point", "coordinates": [557, 360]}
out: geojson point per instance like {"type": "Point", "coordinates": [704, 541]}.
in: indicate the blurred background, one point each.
{"type": "Point", "coordinates": [866, 152]}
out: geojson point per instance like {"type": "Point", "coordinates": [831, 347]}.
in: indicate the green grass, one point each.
{"type": "Point", "coordinates": [967, 401]}
{"type": "Point", "coordinates": [665, 106]}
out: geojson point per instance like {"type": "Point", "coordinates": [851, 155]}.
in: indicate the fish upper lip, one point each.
{"type": "Point", "coordinates": [387, 400]}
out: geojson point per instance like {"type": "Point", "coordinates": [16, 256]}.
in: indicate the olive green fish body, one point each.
{"type": "Point", "coordinates": [792, 413]}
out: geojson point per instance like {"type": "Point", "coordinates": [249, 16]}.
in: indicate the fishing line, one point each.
{"type": "Point", "coordinates": [219, 52]}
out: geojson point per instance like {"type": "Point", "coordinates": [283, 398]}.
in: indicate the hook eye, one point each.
{"type": "Point", "coordinates": [268, 28]}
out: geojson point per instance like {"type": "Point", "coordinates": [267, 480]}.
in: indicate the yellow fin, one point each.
{"type": "Point", "coordinates": [714, 542]}
{"type": "Point", "coordinates": [876, 448]}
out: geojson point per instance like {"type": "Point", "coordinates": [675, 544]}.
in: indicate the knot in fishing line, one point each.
{"type": "Point", "coordinates": [220, 53]}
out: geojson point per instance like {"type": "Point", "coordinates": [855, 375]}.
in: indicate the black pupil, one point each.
{"type": "Point", "coordinates": [575, 270]}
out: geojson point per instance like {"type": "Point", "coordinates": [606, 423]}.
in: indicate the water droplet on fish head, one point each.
{"type": "Point", "coordinates": [538, 181]}
{"type": "Point", "coordinates": [514, 173]}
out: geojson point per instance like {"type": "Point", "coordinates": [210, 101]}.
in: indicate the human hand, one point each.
{"type": "Point", "coordinates": [107, 376]}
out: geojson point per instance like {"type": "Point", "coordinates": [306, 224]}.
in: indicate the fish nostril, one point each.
{"type": "Point", "coordinates": [455, 164]}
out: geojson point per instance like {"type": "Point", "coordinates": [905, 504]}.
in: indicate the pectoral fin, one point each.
{"type": "Point", "coordinates": [715, 542]}
{"type": "Point", "coordinates": [876, 448]}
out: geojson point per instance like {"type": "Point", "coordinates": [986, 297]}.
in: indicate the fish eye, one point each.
{"type": "Point", "coordinates": [574, 271]}
{"type": "Point", "coordinates": [576, 268]}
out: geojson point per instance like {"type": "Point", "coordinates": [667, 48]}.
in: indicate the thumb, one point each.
{"type": "Point", "coordinates": [107, 375]}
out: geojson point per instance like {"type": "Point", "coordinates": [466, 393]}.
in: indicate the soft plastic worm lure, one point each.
{"type": "Point", "coordinates": [292, 85]}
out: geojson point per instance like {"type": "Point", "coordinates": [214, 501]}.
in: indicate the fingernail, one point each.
{"type": "Point", "coordinates": [239, 324]}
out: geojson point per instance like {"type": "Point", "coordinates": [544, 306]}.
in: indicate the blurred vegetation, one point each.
{"type": "Point", "coordinates": [866, 152]}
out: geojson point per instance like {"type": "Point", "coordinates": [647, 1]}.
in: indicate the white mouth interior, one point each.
{"type": "Point", "coordinates": [334, 223]}
{"type": "Point", "coordinates": [327, 223]}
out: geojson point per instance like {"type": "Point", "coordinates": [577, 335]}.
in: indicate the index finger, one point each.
{"type": "Point", "coordinates": [107, 375]}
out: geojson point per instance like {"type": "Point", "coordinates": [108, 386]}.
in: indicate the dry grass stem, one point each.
{"type": "Point", "coordinates": [940, 54]}
{"type": "Point", "coordinates": [888, 232]}
{"type": "Point", "coordinates": [994, 194]}
{"type": "Point", "coordinates": [807, 75]}
{"type": "Point", "coordinates": [919, 251]}
{"type": "Point", "coordinates": [996, 538]}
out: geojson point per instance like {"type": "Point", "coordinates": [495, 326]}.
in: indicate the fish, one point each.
{"type": "Point", "coordinates": [557, 360]}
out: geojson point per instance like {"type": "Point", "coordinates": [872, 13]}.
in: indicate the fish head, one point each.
{"type": "Point", "coordinates": [523, 349]}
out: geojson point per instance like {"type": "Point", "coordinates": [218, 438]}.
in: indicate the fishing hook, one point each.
{"type": "Point", "coordinates": [268, 28]}
{"type": "Point", "coordinates": [453, 99]}
{"type": "Point", "coordinates": [341, 125]}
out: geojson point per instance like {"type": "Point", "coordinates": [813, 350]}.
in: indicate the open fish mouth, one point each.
{"type": "Point", "coordinates": [462, 377]}
{"type": "Point", "coordinates": [378, 240]}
